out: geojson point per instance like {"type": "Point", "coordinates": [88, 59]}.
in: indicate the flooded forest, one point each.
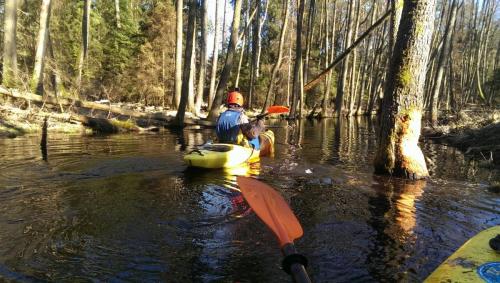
{"type": "Point", "coordinates": [370, 129]}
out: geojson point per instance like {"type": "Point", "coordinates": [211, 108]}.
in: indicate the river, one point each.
{"type": "Point", "coordinates": [124, 208]}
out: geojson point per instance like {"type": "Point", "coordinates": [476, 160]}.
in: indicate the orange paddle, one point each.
{"type": "Point", "coordinates": [275, 109]}
{"type": "Point", "coordinates": [271, 208]}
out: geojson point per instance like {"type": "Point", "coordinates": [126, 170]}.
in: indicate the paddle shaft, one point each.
{"type": "Point", "coordinates": [298, 271]}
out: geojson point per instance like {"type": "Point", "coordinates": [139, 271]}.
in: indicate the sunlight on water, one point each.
{"type": "Point", "coordinates": [126, 208]}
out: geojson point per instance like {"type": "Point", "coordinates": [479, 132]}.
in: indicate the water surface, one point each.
{"type": "Point", "coordinates": [125, 208]}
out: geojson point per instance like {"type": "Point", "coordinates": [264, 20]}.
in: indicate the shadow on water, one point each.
{"type": "Point", "coordinates": [126, 208]}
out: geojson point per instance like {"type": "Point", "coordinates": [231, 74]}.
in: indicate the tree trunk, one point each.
{"type": "Point", "coordinates": [259, 36]}
{"type": "Point", "coordinates": [398, 153]}
{"type": "Point", "coordinates": [188, 53]}
{"type": "Point", "coordinates": [37, 78]}
{"type": "Point", "coordinates": [450, 26]}
{"type": "Point", "coordinates": [215, 56]}
{"type": "Point", "coordinates": [178, 55]}
{"type": "Point", "coordinates": [297, 87]}
{"type": "Point", "coordinates": [255, 48]}
{"type": "Point", "coordinates": [274, 72]}
{"type": "Point", "coordinates": [326, 97]}
{"type": "Point", "coordinates": [354, 76]}
{"type": "Point", "coordinates": [9, 76]}
{"type": "Point", "coordinates": [339, 100]}
{"type": "Point", "coordinates": [55, 79]}
{"type": "Point", "coordinates": [310, 23]}
{"type": "Point", "coordinates": [203, 57]}
{"type": "Point", "coordinates": [192, 72]}
{"type": "Point", "coordinates": [85, 42]}
{"type": "Point", "coordinates": [117, 14]}
{"type": "Point", "coordinates": [226, 72]}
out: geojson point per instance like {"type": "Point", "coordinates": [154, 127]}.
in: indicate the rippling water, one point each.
{"type": "Point", "coordinates": [126, 208]}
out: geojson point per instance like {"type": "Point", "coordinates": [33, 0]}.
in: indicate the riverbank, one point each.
{"type": "Point", "coordinates": [477, 133]}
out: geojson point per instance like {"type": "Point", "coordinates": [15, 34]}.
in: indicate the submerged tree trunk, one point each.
{"type": "Point", "coordinates": [203, 57]}
{"type": "Point", "coordinates": [85, 42]}
{"type": "Point", "coordinates": [398, 153]}
{"type": "Point", "coordinates": [226, 72]}
{"type": "Point", "coordinates": [215, 57]}
{"type": "Point", "coordinates": [178, 55]}
{"type": "Point", "coordinates": [37, 78]}
{"type": "Point", "coordinates": [297, 86]}
{"type": "Point", "coordinates": [450, 26]}
{"type": "Point", "coordinates": [276, 67]}
{"type": "Point", "coordinates": [9, 76]}
{"type": "Point", "coordinates": [188, 53]}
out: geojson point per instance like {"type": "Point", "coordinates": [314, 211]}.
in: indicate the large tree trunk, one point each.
{"type": "Point", "coordinates": [9, 76]}
{"type": "Point", "coordinates": [398, 153]}
{"type": "Point", "coordinates": [276, 67]}
{"type": "Point", "coordinates": [215, 56]}
{"type": "Point", "coordinates": [226, 72]}
{"type": "Point", "coordinates": [188, 53]}
{"type": "Point", "coordinates": [297, 86]}
{"type": "Point", "coordinates": [450, 26]}
{"type": "Point", "coordinates": [203, 57]}
{"type": "Point", "coordinates": [37, 78]}
{"type": "Point", "coordinates": [85, 43]}
{"type": "Point", "coordinates": [178, 55]}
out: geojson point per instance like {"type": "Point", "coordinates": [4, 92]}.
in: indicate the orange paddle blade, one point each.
{"type": "Point", "coordinates": [277, 109]}
{"type": "Point", "coordinates": [270, 206]}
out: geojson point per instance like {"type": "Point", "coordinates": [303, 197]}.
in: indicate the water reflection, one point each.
{"type": "Point", "coordinates": [394, 219]}
{"type": "Point", "coordinates": [126, 208]}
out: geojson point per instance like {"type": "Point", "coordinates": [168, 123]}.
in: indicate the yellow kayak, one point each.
{"type": "Point", "coordinates": [474, 261]}
{"type": "Point", "coordinates": [222, 155]}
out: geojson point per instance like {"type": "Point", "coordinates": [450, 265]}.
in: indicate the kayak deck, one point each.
{"type": "Point", "coordinates": [474, 261]}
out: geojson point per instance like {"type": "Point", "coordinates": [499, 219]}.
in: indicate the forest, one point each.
{"type": "Point", "coordinates": [135, 51]}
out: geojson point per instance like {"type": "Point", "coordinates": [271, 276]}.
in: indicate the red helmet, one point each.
{"type": "Point", "coordinates": [234, 97]}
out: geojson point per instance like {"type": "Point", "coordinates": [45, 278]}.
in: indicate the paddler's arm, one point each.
{"type": "Point", "coordinates": [252, 129]}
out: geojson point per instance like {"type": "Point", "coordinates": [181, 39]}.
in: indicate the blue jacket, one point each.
{"type": "Point", "coordinates": [228, 128]}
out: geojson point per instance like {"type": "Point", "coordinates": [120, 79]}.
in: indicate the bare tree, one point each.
{"type": "Point", "coordinates": [274, 72]}
{"type": "Point", "coordinates": [297, 86]}
{"type": "Point", "coordinates": [9, 76]}
{"type": "Point", "coordinates": [85, 42]}
{"type": "Point", "coordinates": [203, 57]}
{"type": "Point", "coordinates": [226, 72]}
{"type": "Point", "coordinates": [188, 53]}
{"type": "Point", "coordinates": [443, 56]}
{"type": "Point", "coordinates": [178, 55]}
{"type": "Point", "coordinates": [215, 56]}
{"type": "Point", "coordinates": [37, 78]}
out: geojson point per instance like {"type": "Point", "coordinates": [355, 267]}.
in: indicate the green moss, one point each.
{"type": "Point", "coordinates": [405, 77]}
{"type": "Point", "coordinates": [419, 29]}
{"type": "Point", "coordinates": [124, 125]}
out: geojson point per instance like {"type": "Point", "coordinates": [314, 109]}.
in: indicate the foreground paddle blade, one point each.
{"type": "Point", "coordinates": [270, 206]}
{"type": "Point", "coordinates": [277, 109]}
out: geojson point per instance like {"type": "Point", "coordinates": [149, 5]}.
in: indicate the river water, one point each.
{"type": "Point", "coordinates": [124, 208]}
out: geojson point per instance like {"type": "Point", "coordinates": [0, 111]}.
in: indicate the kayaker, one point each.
{"type": "Point", "coordinates": [233, 125]}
